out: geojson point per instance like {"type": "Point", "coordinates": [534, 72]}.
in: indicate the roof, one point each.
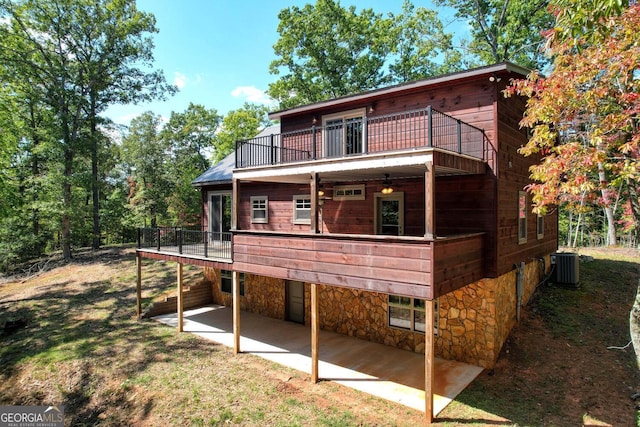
{"type": "Point", "coordinates": [222, 172]}
{"type": "Point", "coordinates": [507, 67]}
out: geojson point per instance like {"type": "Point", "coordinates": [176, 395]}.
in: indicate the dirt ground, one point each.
{"type": "Point", "coordinates": [566, 363]}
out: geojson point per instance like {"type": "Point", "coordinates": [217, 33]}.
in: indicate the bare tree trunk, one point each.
{"type": "Point", "coordinates": [606, 198]}
{"type": "Point", "coordinates": [66, 197]}
{"type": "Point", "coordinates": [634, 325]}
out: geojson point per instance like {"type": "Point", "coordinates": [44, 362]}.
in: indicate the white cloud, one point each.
{"type": "Point", "coordinates": [180, 80]}
{"type": "Point", "coordinates": [252, 94]}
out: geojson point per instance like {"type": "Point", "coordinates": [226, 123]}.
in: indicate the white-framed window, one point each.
{"type": "Point", "coordinates": [540, 227]}
{"type": "Point", "coordinates": [349, 192]}
{"type": "Point", "coordinates": [522, 217]}
{"type": "Point", "coordinates": [226, 282]}
{"type": "Point", "coordinates": [260, 209]}
{"type": "Point", "coordinates": [302, 209]}
{"type": "Point", "coordinates": [409, 313]}
{"type": "Point", "coordinates": [344, 133]}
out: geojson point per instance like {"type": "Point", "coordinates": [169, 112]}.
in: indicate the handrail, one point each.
{"type": "Point", "coordinates": [422, 128]}
{"type": "Point", "coordinates": [187, 241]}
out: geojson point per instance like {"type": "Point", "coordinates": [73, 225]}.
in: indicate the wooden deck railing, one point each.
{"type": "Point", "coordinates": [424, 128]}
{"type": "Point", "coordinates": [188, 242]}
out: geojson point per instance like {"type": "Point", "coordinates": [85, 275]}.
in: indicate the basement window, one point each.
{"type": "Point", "coordinates": [302, 209]}
{"type": "Point", "coordinates": [409, 313]}
{"type": "Point", "coordinates": [260, 209]}
{"type": "Point", "coordinates": [226, 282]}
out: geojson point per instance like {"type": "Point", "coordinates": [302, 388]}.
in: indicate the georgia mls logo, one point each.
{"type": "Point", "coordinates": [31, 416]}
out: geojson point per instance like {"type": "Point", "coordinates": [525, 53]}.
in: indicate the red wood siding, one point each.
{"type": "Point", "coordinates": [380, 265]}
{"type": "Point", "coordinates": [457, 262]}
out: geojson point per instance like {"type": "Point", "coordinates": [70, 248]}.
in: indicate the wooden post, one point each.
{"type": "Point", "coordinates": [429, 202]}
{"type": "Point", "coordinates": [428, 361]}
{"type": "Point", "coordinates": [180, 299]}
{"type": "Point", "coordinates": [314, 203]}
{"type": "Point", "coordinates": [139, 286]}
{"type": "Point", "coordinates": [236, 312]}
{"type": "Point", "coordinates": [315, 332]}
{"type": "Point", "coordinates": [235, 204]}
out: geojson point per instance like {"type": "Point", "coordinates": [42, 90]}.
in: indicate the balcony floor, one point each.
{"type": "Point", "coordinates": [372, 368]}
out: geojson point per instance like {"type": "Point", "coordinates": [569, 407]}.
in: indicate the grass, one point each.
{"type": "Point", "coordinates": [81, 347]}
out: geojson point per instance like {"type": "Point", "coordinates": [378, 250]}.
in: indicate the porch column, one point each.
{"type": "Point", "coordinates": [236, 312]}
{"type": "Point", "coordinates": [139, 286]}
{"type": "Point", "coordinates": [428, 361]}
{"type": "Point", "coordinates": [180, 299]}
{"type": "Point", "coordinates": [429, 201]}
{"type": "Point", "coordinates": [314, 203]}
{"type": "Point", "coordinates": [235, 204]}
{"type": "Point", "coordinates": [315, 332]}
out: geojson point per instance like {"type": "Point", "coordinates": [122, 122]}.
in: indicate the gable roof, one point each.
{"type": "Point", "coordinates": [505, 67]}
{"type": "Point", "coordinates": [222, 172]}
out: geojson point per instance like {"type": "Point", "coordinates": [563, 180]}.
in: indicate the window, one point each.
{"type": "Point", "coordinates": [349, 192]}
{"type": "Point", "coordinates": [260, 209]}
{"type": "Point", "coordinates": [344, 133]}
{"type": "Point", "coordinates": [540, 227]}
{"type": "Point", "coordinates": [522, 217]}
{"type": "Point", "coordinates": [302, 209]}
{"type": "Point", "coordinates": [409, 313]}
{"type": "Point", "coordinates": [226, 282]}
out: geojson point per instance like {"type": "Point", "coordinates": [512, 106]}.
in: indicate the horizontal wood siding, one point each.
{"type": "Point", "coordinates": [380, 265]}
{"type": "Point", "coordinates": [280, 206]}
{"type": "Point", "coordinates": [458, 262]}
{"type": "Point", "coordinates": [513, 176]}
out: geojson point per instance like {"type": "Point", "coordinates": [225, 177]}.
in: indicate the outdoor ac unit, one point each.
{"type": "Point", "coordinates": [566, 268]}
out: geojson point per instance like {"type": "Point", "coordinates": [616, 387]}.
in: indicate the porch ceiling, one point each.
{"type": "Point", "coordinates": [404, 164]}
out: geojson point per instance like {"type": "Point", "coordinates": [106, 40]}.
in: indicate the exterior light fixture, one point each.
{"type": "Point", "coordinates": [321, 191]}
{"type": "Point", "coordinates": [386, 185]}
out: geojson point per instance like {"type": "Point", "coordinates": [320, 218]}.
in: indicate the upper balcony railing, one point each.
{"type": "Point", "coordinates": [424, 128]}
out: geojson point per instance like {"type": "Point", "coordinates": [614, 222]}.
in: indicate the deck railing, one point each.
{"type": "Point", "coordinates": [186, 241]}
{"type": "Point", "coordinates": [424, 128]}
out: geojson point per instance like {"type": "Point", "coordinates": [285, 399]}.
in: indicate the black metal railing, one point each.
{"type": "Point", "coordinates": [424, 128]}
{"type": "Point", "coordinates": [186, 241]}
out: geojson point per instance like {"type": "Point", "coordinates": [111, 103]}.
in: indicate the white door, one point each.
{"type": "Point", "coordinates": [389, 211]}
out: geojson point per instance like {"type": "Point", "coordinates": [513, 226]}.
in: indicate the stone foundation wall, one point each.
{"type": "Point", "coordinates": [474, 321]}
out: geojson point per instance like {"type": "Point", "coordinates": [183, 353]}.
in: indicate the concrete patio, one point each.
{"type": "Point", "coordinates": [387, 372]}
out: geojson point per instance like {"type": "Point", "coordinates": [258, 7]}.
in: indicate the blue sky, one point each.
{"type": "Point", "coordinates": [218, 51]}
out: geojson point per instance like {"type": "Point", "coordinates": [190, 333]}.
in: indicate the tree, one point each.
{"type": "Point", "coordinates": [326, 51]}
{"type": "Point", "coordinates": [243, 123]}
{"type": "Point", "coordinates": [82, 55]}
{"type": "Point", "coordinates": [505, 30]}
{"type": "Point", "coordinates": [584, 118]}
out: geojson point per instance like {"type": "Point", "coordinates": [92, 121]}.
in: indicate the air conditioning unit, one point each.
{"type": "Point", "coordinates": [566, 268]}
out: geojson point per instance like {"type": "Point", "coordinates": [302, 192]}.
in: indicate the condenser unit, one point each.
{"type": "Point", "coordinates": [566, 268]}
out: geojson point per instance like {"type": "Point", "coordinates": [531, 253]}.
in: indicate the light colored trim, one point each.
{"type": "Point", "coordinates": [264, 220]}
{"type": "Point", "coordinates": [213, 193]}
{"type": "Point", "coordinates": [396, 195]}
{"type": "Point", "coordinates": [344, 115]}
{"type": "Point", "coordinates": [295, 218]}
{"type": "Point", "coordinates": [361, 196]}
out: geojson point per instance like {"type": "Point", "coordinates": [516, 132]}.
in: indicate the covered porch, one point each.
{"type": "Point", "coordinates": [386, 372]}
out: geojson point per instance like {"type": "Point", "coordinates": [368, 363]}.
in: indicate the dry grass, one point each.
{"type": "Point", "coordinates": [80, 346]}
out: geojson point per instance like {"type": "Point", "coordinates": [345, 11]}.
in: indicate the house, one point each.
{"type": "Point", "coordinates": [397, 215]}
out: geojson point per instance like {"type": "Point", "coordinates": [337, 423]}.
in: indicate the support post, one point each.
{"type": "Point", "coordinates": [235, 204]}
{"type": "Point", "coordinates": [236, 312]}
{"type": "Point", "coordinates": [428, 361]}
{"type": "Point", "coordinates": [314, 202]}
{"type": "Point", "coordinates": [315, 333]}
{"type": "Point", "coordinates": [139, 286]}
{"type": "Point", "coordinates": [180, 299]}
{"type": "Point", "coordinates": [429, 201]}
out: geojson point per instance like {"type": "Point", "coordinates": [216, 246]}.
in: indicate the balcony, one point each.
{"type": "Point", "coordinates": [186, 243]}
{"type": "Point", "coordinates": [418, 129]}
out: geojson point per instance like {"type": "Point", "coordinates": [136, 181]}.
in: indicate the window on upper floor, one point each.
{"type": "Point", "coordinates": [260, 209]}
{"type": "Point", "coordinates": [226, 282]}
{"type": "Point", "coordinates": [540, 227]}
{"type": "Point", "coordinates": [522, 217]}
{"type": "Point", "coordinates": [302, 209]}
{"type": "Point", "coordinates": [344, 133]}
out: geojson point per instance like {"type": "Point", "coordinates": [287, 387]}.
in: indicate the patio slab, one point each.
{"type": "Point", "coordinates": [387, 372]}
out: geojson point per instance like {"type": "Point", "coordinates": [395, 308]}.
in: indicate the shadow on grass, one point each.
{"type": "Point", "coordinates": [556, 366]}
{"type": "Point", "coordinates": [86, 338]}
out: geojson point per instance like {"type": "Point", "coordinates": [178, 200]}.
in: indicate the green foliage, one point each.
{"type": "Point", "coordinates": [243, 123]}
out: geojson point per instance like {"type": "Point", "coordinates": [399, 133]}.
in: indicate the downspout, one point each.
{"type": "Point", "coordinates": [519, 288]}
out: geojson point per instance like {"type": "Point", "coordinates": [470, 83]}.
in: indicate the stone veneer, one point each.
{"type": "Point", "coordinates": [474, 321]}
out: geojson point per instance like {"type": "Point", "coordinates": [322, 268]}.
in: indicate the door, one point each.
{"type": "Point", "coordinates": [294, 295]}
{"type": "Point", "coordinates": [219, 216]}
{"type": "Point", "coordinates": [389, 210]}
